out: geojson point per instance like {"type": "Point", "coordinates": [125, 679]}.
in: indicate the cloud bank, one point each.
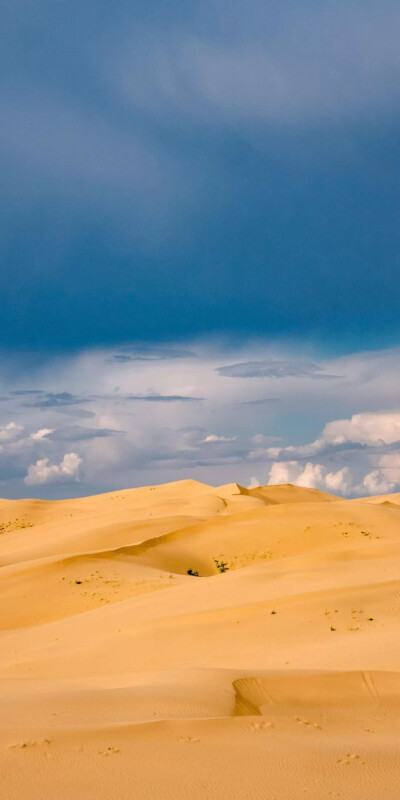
{"type": "Point", "coordinates": [373, 433]}
{"type": "Point", "coordinates": [267, 428]}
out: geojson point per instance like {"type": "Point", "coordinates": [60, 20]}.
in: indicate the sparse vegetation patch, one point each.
{"type": "Point", "coordinates": [221, 566]}
{"type": "Point", "coordinates": [14, 525]}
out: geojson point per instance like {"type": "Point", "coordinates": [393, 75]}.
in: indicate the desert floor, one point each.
{"type": "Point", "coordinates": [124, 678]}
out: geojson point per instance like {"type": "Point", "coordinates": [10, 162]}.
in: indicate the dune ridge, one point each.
{"type": "Point", "coordinates": [273, 673]}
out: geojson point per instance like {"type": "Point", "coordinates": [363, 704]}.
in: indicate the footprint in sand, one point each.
{"type": "Point", "coordinates": [261, 727]}
{"type": "Point", "coordinates": [308, 722]}
{"type": "Point", "coordinates": [188, 740]}
{"type": "Point", "coordinates": [351, 758]}
{"type": "Point", "coordinates": [27, 745]}
{"type": "Point", "coordinates": [110, 751]}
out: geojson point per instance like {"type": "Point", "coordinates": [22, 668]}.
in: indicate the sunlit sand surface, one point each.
{"type": "Point", "coordinates": [122, 676]}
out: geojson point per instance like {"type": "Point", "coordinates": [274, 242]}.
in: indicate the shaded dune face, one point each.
{"type": "Point", "coordinates": [186, 640]}
{"type": "Point", "coordinates": [342, 693]}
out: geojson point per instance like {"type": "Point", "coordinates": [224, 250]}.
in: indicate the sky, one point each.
{"type": "Point", "coordinates": [199, 244]}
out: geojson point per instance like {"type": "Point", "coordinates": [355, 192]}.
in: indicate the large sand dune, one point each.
{"type": "Point", "coordinates": [121, 676]}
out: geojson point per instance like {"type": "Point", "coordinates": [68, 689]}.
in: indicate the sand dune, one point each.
{"type": "Point", "coordinates": [124, 676]}
{"type": "Point", "coordinates": [383, 499]}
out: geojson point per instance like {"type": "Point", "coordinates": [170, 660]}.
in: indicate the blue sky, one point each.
{"type": "Point", "coordinates": [208, 177]}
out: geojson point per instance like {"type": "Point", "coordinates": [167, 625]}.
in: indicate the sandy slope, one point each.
{"type": "Point", "coordinates": [121, 676]}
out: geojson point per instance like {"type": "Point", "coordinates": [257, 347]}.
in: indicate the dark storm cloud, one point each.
{"type": "Point", "coordinates": [26, 392]}
{"type": "Point", "coordinates": [62, 403]}
{"type": "Point", "coordinates": [67, 403]}
{"type": "Point", "coordinates": [264, 401]}
{"type": "Point", "coordinates": [170, 170]}
{"type": "Point", "coordinates": [78, 433]}
{"type": "Point", "coordinates": [73, 411]}
{"type": "Point", "coordinates": [57, 400]}
{"type": "Point", "coordinates": [163, 398]}
{"type": "Point", "coordinates": [150, 354]}
{"type": "Point", "coordinates": [273, 368]}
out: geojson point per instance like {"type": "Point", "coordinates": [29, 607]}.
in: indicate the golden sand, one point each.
{"type": "Point", "coordinates": [124, 678]}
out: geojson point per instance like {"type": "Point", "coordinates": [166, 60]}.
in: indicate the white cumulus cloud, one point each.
{"type": "Point", "coordinates": [41, 434]}
{"type": "Point", "coordinates": [312, 476]}
{"type": "Point", "coordinates": [387, 477]}
{"type": "Point", "coordinates": [382, 480]}
{"type": "Point", "coordinates": [10, 432]}
{"type": "Point", "coordinates": [369, 429]}
{"type": "Point", "coordinates": [365, 429]}
{"type": "Point", "coordinates": [42, 471]}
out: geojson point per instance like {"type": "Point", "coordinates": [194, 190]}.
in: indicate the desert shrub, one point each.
{"type": "Point", "coordinates": [193, 573]}
{"type": "Point", "coordinates": [221, 566]}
